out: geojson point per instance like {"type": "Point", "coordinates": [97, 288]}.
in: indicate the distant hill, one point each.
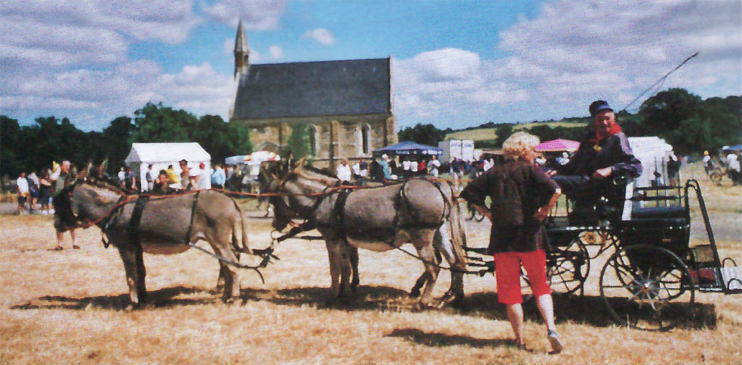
{"type": "Point", "coordinates": [489, 133]}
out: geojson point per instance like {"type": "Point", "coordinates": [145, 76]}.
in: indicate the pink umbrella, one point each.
{"type": "Point", "coordinates": [558, 145]}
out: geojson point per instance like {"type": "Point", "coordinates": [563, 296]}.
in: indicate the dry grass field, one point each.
{"type": "Point", "coordinates": [68, 307]}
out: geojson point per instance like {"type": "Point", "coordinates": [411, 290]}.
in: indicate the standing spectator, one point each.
{"type": "Point", "coordinates": [413, 167]}
{"type": "Point", "coordinates": [172, 177]}
{"type": "Point", "coordinates": [343, 171]}
{"type": "Point", "coordinates": [434, 165]}
{"type": "Point", "coordinates": [204, 177]}
{"type": "Point", "coordinates": [45, 191]}
{"type": "Point", "coordinates": [356, 169]}
{"type": "Point", "coordinates": [150, 178]}
{"type": "Point", "coordinates": [34, 190]}
{"type": "Point", "coordinates": [23, 192]}
{"type": "Point", "coordinates": [406, 168]}
{"type": "Point", "coordinates": [363, 165]}
{"type": "Point", "coordinates": [522, 196]}
{"type": "Point", "coordinates": [733, 168]}
{"type": "Point", "coordinates": [130, 181]}
{"type": "Point", "coordinates": [386, 172]}
{"type": "Point", "coordinates": [708, 163]}
{"type": "Point", "coordinates": [62, 221]}
{"type": "Point", "coordinates": [375, 170]}
{"type": "Point", "coordinates": [422, 167]}
{"type": "Point", "coordinates": [218, 178]}
{"type": "Point", "coordinates": [121, 176]}
{"type": "Point", "coordinates": [162, 184]}
{"type": "Point", "coordinates": [456, 171]}
{"type": "Point", "coordinates": [193, 175]}
{"type": "Point", "coordinates": [673, 170]}
{"type": "Point", "coordinates": [184, 174]}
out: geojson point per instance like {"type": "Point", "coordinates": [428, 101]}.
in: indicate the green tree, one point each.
{"type": "Point", "coordinates": [299, 141]}
{"type": "Point", "coordinates": [667, 110]}
{"type": "Point", "coordinates": [10, 134]}
{"type": "Point", "coordinates": [426, 134]}
{"type": "Point", "coordinates": [117, 138]}
{"type": "Point", "coordinates": [503, 132]}
{"type": "Point", "coordinates": [158, 123]}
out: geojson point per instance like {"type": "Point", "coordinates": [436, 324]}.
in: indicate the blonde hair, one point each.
{"type": "Point", "coordinates": [519, 144]}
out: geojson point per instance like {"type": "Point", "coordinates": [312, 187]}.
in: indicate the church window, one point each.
{"type": "Point", "coordinates": [313, 140]}
{"type": "Point", "coordinates": [366, 139]}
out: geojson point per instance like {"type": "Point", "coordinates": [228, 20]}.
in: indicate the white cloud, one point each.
{"type": "Point", "coordinates": [574, 52]}
{"type": "Point", "coordinates": [321, 36]}
{"type": "Point", "coordinates": [255, 14]}
{"type": "Point", "coordinates": [276, 52]}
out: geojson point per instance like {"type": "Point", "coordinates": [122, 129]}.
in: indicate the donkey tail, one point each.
{"type": "Point", "coordinates": [245, 244]}
{"type": "Point", "coordinates": [458, 235]}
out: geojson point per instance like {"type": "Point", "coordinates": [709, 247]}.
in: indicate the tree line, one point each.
{"type": "Point", "coordinates": [51, 139]}
{"type": "Point", "coordinates": [686, 121]}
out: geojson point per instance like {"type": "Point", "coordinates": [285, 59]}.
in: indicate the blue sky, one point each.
{"type": "Point", "coordinates": [455, 63]}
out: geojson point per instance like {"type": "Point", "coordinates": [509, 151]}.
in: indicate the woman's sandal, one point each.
{"type": "Point", "coordinates": [58, 248]}
{"type": "Point", "coordinates": [76, 247]}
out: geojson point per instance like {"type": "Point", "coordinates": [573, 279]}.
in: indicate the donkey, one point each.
{"type": "Point", "coordinates": [379, 218]}
{"type": "Point", "coordinates": [159, 225]}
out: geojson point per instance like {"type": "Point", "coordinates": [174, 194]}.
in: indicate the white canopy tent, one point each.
{"type": "Point", "coordinates": [161, 155]}
{"type": "Point", "coordinates": [653, 152]}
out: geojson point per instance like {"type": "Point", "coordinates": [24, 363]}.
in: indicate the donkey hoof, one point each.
{"type": "Point", "coordinates": [415, 293]}
{"type": "Point", "coordinates": [420, 306]}
{"type": "Point", "coordinates": [229, 300]}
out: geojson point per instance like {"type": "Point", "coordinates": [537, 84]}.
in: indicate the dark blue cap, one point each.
{"type": "Point", "coordinates": [599, 106]}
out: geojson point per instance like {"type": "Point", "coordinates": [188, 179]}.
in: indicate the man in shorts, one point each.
{"type": "Point", "coordinates": [63, 221]}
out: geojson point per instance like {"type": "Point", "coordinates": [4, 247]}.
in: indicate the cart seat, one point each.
{"type": "Point", "coordinates": [675, 211]}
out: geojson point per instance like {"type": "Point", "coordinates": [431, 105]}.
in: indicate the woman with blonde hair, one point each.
{"type": "Point", "coordinates": [522, 196]}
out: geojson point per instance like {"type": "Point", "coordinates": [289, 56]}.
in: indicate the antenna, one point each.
{"type": "Point", "coordinates": [661, 80]}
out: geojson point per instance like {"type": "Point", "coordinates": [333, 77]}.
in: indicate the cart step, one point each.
{"type": "Point", "coordinates": [732, 276]}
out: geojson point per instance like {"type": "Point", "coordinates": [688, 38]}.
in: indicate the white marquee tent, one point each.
{"type": "Point", "coordinates": [161, 155]}
{"type": "Point", "coordinates": [654, 153]}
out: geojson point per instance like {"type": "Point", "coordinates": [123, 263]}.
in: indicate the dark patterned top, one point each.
{"type": "Point", "coordinates": [535, 189]}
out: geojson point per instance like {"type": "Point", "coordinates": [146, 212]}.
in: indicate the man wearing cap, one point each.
{"type": "Point", "coordinates": [604, 153]}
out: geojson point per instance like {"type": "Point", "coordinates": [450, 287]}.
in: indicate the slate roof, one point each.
{"type": "Point", "coordinates": [349, 87]}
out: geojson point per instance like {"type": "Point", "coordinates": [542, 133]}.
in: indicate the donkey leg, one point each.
{"type": "Point", "coordinates": [354, 267]}
{"type": "Point", "coordinates": [443, 244]}
{"type": "Point", "coordinates": [129, 257]}
{"type": "Point", "coordinates": [223, 272]}
{"type": "Point", "coordinates": [141, 274]}
{"type": "Point", "coordinates": [345, 271]}
{"type": "Point", "coordinates": [231, 275]}
{"type": "Point", "coordinates": [427, 253]}
{"type": "Point", "coordinates": [335, 255]}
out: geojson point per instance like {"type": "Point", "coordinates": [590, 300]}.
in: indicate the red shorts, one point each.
{"type": "Point", "coordinates": [507, 273]}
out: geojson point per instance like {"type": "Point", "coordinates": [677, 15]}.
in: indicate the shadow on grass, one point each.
{"type": "Point", "coordinates": [590, 310]}
{"type": "Point", "coordinates": [161, 298]}
{"type": "Point", "coordinates": [365, 298]}
{"type": "Point", "coordinates": [444, 340]}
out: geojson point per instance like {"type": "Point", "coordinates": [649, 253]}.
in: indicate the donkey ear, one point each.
{"type": "Point", "coordinates": [102, 168]}
{"type": "Point", "coordinates": [84, 173]}
{"type": "Point", "coordinates": [301, 162]}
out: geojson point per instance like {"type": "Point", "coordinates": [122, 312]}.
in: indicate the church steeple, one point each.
{"type": "Point", "coordinates": [241, 51]}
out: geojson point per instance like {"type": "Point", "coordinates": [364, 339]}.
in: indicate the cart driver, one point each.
{"type": "Point", "coordinates": [604, 154]}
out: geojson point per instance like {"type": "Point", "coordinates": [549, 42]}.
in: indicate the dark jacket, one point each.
{"type": "Point", "coordinates": [534, 189]}
{"type": "Point", "coordinates": [613, 151]}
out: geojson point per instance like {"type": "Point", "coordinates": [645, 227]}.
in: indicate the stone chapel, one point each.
{"type": "Point", "coordinates": [346, 104]}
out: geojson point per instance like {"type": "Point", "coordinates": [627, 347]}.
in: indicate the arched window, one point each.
{"type": "Point", "coordinates": [366, 138]}
{"type": "Point", "coordinates": [313, 140]}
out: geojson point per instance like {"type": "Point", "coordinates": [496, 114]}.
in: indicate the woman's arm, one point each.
{"type": "Point", "coordinates": [543, 211]}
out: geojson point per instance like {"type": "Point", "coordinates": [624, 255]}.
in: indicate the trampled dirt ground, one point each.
{"type": "Point", "coordinates": [69, 307]}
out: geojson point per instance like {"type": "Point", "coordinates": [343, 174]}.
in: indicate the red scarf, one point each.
{"type": "Point", "coordinates": [599, 136]}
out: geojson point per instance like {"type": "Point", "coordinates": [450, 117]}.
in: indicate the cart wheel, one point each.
{"type": "Point", "coordinates": [567, 267]}
{"type": "Point", "coordinates": [647, 287]}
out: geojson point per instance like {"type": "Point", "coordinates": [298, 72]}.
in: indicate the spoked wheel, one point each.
{"type": "Point", "coordinates": [647, 287]}
{"type": "Point", "coordinates": [567, 267]}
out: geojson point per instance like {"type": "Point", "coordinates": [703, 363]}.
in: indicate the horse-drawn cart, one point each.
{"type": "Point", "coordinates": [650, 279]}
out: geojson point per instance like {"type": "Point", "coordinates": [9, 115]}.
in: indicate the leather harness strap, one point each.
{"type": "Point", "coordinates": [136, 218]}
